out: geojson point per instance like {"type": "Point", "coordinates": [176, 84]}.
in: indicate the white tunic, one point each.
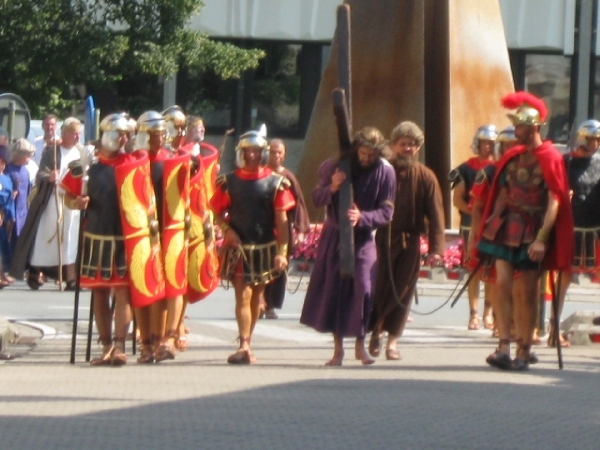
{"type": "Point", "coordinates": [45, 249]}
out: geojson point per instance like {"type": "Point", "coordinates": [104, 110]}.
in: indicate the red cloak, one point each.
{"type": "Point", "coordinates": [560, 252]}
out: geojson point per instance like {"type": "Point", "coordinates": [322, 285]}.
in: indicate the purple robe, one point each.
{"type": "Point", "coordinates": [342, 305]}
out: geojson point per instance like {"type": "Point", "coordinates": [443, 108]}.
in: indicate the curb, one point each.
{"type": "Point", "coordinates": [7, 335]}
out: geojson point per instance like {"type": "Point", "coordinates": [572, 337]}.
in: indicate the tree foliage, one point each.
{"type": "Point", "coordinates": [52, 50]}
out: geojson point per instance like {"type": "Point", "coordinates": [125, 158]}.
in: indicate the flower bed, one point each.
{"type": "Point", "coordinates": [307, 251]}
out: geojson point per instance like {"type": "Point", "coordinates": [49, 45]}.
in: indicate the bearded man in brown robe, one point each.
{"type": "Point", "coordinates": [418, 210]}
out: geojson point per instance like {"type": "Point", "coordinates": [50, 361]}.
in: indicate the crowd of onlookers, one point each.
{"type": "Point", "coordinates": [19, 165]}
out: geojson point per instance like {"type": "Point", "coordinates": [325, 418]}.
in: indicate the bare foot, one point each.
{"type": "Point", "coordinates": [336, 360]}
{"type": "Point", "coordinates": [361, 355]}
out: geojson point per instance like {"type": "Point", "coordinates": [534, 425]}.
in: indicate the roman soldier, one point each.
{"type": "Point", "coordinates": [250, 206]}
{"type": "Point", "coordinates": [462, 179]}
{"type": "Point", "coordinates": [170, 171]}
{"type": "Point", "coordinates": [120, 252]}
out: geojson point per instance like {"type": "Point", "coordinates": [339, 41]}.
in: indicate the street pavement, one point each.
{"type": "Point", "coordinates": [441, 395]}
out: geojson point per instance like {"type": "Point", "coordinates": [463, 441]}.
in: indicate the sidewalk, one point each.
{"type": "Point", "coordinates": [440, 396]}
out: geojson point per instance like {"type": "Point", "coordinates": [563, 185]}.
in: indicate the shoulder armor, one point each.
{"type": "Point", "coordinates": [221, 182]}
{"type": "Point", "coordinates": [481, 177]}
{"type": "Point", "coordinates": [284, 184]}
{"type": "Point", "coordinates": [454, 176]}
{"type": "Point", "coordinates": [77, 168]}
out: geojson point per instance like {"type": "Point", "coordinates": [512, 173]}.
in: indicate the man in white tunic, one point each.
{"type": "Point", "coordinates": [55, 217]}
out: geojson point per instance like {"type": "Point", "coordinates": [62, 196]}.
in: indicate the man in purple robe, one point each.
{"type": "Point", "coordinates": [341, 305]}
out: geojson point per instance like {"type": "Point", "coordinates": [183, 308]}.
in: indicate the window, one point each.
{"type": "Point", "coordinates": [549, 77]}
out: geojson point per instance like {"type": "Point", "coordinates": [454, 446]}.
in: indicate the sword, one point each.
{"type": "Point", "coordinates": [466, 285]}
{"type": "Point", "coordinates": [556, 319]}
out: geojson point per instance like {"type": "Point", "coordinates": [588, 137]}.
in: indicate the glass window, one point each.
{"type": "Point", "coordinates": [276, 93]}
{"type": "Point", "coordinates": [208, 96]}
{"type": "Point", "coordinates": [549, 77]}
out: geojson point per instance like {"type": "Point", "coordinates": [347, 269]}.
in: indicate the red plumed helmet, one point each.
{"type": "Point", "coordinates": [531, 110]}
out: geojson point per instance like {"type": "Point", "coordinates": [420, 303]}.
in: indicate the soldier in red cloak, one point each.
{"type": "Point", "coordinates": [527, 225]}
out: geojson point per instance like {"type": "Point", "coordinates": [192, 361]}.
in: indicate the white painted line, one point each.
{"type": "Point", "coordinates": [48, 332]}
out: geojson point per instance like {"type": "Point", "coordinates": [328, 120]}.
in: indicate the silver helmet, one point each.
{"type": "Point", "coordinates": [252, 139]}
{"type": "Point", "coordinates": [111, 127]}
{"type": "Point", "coordinates": [151, 121]}
{"type": "Point", "coordinates": [483, 133]}
{"type": "Point", "coordinates": [505, 137]}
{"type": "Point", "coordinates": [176, 121]}
{"type": "Point", "coordinates": [589, 129]}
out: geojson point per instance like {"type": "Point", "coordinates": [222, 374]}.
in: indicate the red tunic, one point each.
{"type": "Point", "coordinates": [560, 253]}
{"type": "Point", "coordinates": [284, 199]}
{"type": "Point", "coordinates": [73, 185]}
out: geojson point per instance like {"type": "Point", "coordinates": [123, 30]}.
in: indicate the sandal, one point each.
{"type": "Point", "coordinates": [105, 359]}
{"type": "Point", "coordinates": [521, 362]}
{"type": "Point", "coordinates": [166, 349]}
{"type": "Point", "coordinates": [243, 355]}
{"type": "Point", "coordinates": [500, 359]}
{"type": "Point", "coordinates": [117, 355]}
{"type": "Point", "coordinates": [473, 321]}
{"type": "Point", "coordinates": [181, 343]}
{"type": "Point", "coordinates": [488, 322]}
{"type": "Point", "coordinates": [375, 345]}
{"type": "Point", "coordinates": [391, 354]}
{"type": "Point", "coordinates": [146, 353]}
{"type": "Point", "coordinates": [35, 281]}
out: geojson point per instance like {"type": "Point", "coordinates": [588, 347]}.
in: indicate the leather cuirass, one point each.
{"type": "Point", "coordinates": [103, 246]}
{"type": "Point", "coordinates": [252, 211]}
{"type": "Point", "coordinates": [103, 216]}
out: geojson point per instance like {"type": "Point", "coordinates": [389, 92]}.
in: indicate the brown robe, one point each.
{"type": "Point", "coordinates": [418, 210]}
{"type": "Point", "coordinates": [299, 222]}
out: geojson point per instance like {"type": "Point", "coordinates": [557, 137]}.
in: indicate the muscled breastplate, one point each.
{"type": "Point", "coordinates": [526, 187]}
{"type": "Point", "coordinates": [103, 216]}
{"type": "Point", "coordinates": [252, 213]}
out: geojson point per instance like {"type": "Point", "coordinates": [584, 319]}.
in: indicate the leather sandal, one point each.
{"type": "Point", "coordinates": [35, 281]}
{"type": "Point", "coordinates": [117, 355]}
{"type": "Point", "coordinates": [243, 355]}
{"type": "Point", "coordinates": [391, 354]}
{"type": "Point", "coordinates": [521, 362]}
{"type": "Point", "coordinates": [499, 359]}
{"type": "Point", "coordinates": [105, 359]}
{"type": "Point", "coordinates": [374, 345]}
{"type": "Point", "coordinates": [146, 353]}
{"type": "Point", "coordinates": [166, 349]}
{"type": "Point", "coordinates": [488, 322]}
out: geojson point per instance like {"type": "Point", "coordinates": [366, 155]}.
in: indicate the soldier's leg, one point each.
{"type": "Point", "coordinates": [473, 293]}
{"type": "Point", "coordinates": [502, 305]}
{"type": "Point", "coordinates": [143, 318]}
{"type": "Point", "coordinates": [525, 300]}
{"type": "Point", "coordinates": [103, 319]}
{"type": "Point", "coordinates": [244, 316]}
{"type": "Point", "coordinates": [122, 316]}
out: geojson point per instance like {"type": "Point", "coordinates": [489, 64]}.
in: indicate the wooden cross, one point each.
{"type": "Point", "coordinates": [342, 109]}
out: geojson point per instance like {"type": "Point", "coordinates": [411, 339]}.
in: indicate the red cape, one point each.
{"type": "Point", "coordinates": [560, 254]}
